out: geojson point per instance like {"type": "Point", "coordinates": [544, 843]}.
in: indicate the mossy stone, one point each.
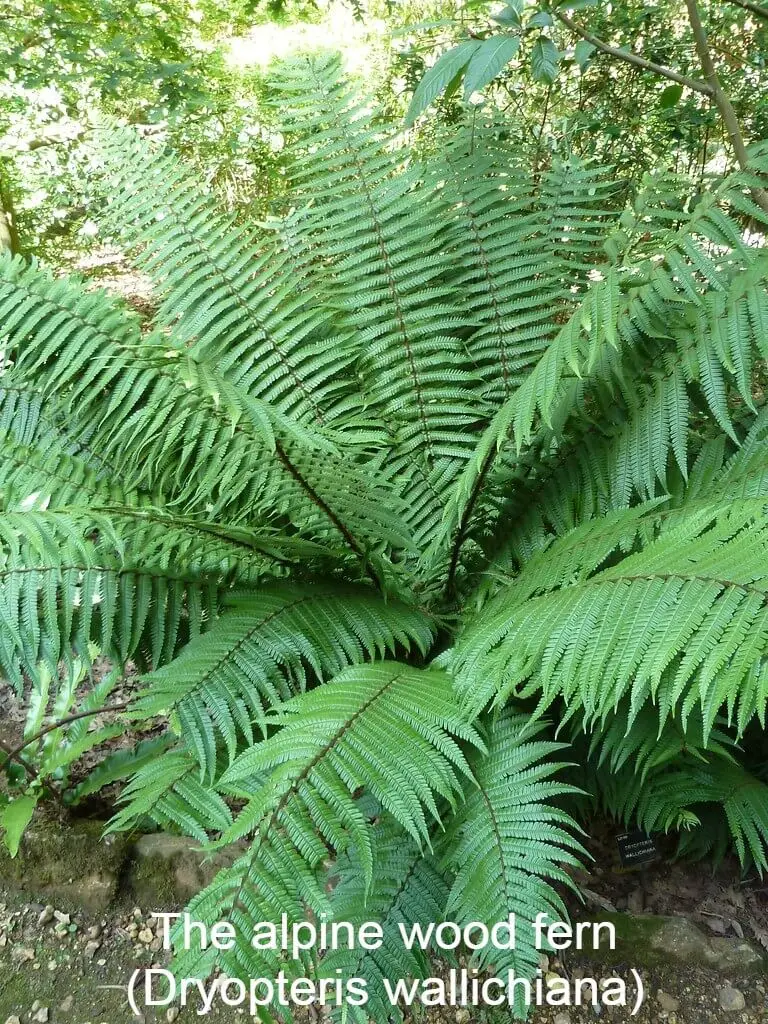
{"type": "Point", "coordinates": [70, 864]}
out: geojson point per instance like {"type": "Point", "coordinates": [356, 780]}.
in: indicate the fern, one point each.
{"type": "Point", "coordinates": [260, 653]}
{"type": "Point", "coordinates": [407, 889]}
{"type": "Point", "coordinates": [444, 446]}
{"type": "Point", "coordinates": [681, 622]}
{"type": "Point", "coordinates": [510, 830]}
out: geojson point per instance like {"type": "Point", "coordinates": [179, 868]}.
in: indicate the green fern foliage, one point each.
{"type": "Point", "coordinates": [407, 890]}
{"type": "Point", "coordinates": [265, 649]}
{"type": "Point", "coordinates": [681, 622]}
{"type": "Point", "coordinates": [456, 457]}
{"type": "Point", "coordinates": [511, 829]}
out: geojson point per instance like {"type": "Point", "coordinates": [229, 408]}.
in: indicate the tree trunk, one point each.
{"type": "Point", "coordinates": [9, 235]}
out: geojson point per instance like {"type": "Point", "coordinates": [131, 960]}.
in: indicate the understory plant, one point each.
{"type": "Point", "coordinates": [432, 507]}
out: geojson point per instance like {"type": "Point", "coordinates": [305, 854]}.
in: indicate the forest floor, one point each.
{"type": "Point", "coordinates": [70, 969]}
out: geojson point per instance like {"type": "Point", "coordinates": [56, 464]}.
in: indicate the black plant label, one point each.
{"type": "Point", "coordinates": [636, 848]}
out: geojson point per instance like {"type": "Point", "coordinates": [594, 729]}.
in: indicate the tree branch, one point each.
{"type": "Point", "coordinates": [633, 58]}
{"type": "Point", "coordinates": [15, 756]}
{"type": "Point", "coordinates": [9, 234]}
{"type": "Point", "coordinates": [756, 9]}
{"type": "Point", "coordinates": [721, 98]}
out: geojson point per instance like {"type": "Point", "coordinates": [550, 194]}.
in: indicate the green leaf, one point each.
{"type": "Point", "coordinates": [439, 76]}
{"type": "Point", "coordinates": [670, 96]}
{"type": "Point", "coordinates": [14, 819]}
{"type": "Point", "coordinates": [509, 16]}
{"type": "Point", "coordinates": [544, 60]}
{"type": "Point", "coordinates": [542, 19]}
{"type": "Point", "coordinates": [582, 53]}
{"type": "Point", "coordinates": [488, 61]}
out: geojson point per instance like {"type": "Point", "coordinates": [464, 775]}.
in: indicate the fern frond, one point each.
{"type": "Point", "coordinates": [511, 830]}
{"type": "Point", "coordinates": [167, 791]}
{"type": "Point", "coordinates": [129, 579]}
{"type": "Point", "coordinates": [671, 800]}
{"type": "Point", "coordinates": [260, 653]}
{"type": "Point", "coordinates": [407, 888]}
{"type": "Point", "coordinates": [370, 222]}
{"type": "Point", "coordinates": [682, 621]}
{"type": "Point", "coordinates": [644, 747]}
{"type": "Point", "coordinates": [301, 786]}
{"type": "Point", "coordinates": [515, 243]}
{"type": "Point", "coordinates": [177, 426]}
{"type": "Point", "coordinates": [229, 297]}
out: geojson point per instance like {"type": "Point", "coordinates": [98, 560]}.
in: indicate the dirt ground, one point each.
{"type": "Point", "coordinates": [59, 968]}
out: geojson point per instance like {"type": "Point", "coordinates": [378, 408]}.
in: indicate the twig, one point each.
{"type": "Point", "coordinates": [30, 769]}
{"type": "Point", "coordinates": [633, 58]}
{"type": "Point", "coordinates": [756, 9]}
{"type": "Point", "coordinates": [14, 754]}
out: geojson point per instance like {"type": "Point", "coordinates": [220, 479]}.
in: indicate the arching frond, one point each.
{"type": "Point", "coordinates": [511, 830]}
{"type": "Point", "coordinates": [407, 889]}
{"type": "Point", "coordinates": [261, 652]}
{"type": "Point", "coordinates": [681, 622]}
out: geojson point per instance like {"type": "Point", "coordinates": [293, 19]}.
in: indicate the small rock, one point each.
{"type": "Point", "coordinates": [562, 1018]}
{"type": "Point", "coordinates": [716, 925]}
{"type": "Point", "coordinates": [36, 1006]}
{"type": "Point", "coordinates": [146, 935]}
{"type": "Point", "coordinates": [636, 900]}
{"type": "Point", "coordinates": [156, 944]}
{"type": "Point", "coordinates": [667, 1003]}
{"type": "Point", "coordinates": [52, 965]}
{"type": "Point", "coordinates": [91, 949]}
{"type": "Point", "coordinates": [731, 999]}
{"type": "Point", "coordinates": [461, 1016]}
{"type": "Point", "coordinates": [173, 1013]}
{"type": "Point", "coordinates": [41, 1017]}
{"type": "Point", "coordinates": [21, 954]}
{"type": "Point", "coordinates": [67, 1004]}
{"type": "Point", "coordinates": [62, 918]}
{"type": "Point", "coordinates": [137, 913]}
{"type": "Point", "coordinates": [46, 915]}
{"type": "Point", "coordinates": [13, 1020]}
{"type": "Point", "coordinates": [94, 932]}
{"type": "Point", "coordinates": [543, 962]}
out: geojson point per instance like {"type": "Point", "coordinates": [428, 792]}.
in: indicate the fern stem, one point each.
{"type": "Point", "coordinates": [327, 511]}
{"type": "Point", "coordinates": [461, 533]}
{"type": "Point", "coordinates": [14, 754]}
